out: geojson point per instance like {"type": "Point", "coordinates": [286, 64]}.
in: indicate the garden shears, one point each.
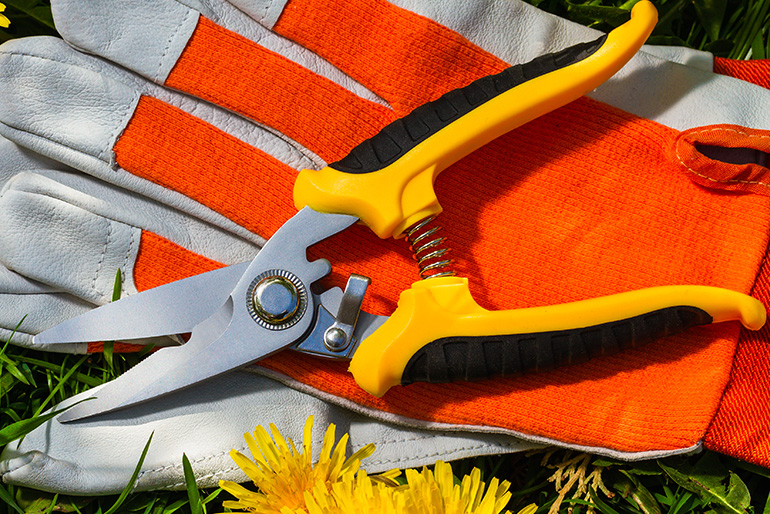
{"type": "Point", "coordinates": [242, 313]}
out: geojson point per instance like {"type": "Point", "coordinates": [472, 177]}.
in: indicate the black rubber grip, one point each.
{"type": "Point", "coordinates": [481, 357]}
{"type": "Point", "coordinates": [403, 134]}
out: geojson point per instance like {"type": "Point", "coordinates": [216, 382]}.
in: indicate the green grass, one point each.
{"type": "Point", "coordinates": [737, 29]}
{"type": "Point", "coordinates": [556, 480]}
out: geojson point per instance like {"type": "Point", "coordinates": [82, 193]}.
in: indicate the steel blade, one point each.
{"type": "Point", "coordinates": [173, 308]}
{"type": "Point", "coordinates": [232, 337]}
{"type": "Point", "coordinates": [151, 377]}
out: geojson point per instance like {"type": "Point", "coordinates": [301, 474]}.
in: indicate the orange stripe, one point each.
{"type": "Point", "coordinates": [160, 261]}
{"type": "Point", "coordinates": [227, 69]}
{"type": "Point", "coordinates": [178, 151]}
{"type": "Point", "coordinates": [405, 58]}
{"type": "Point", "coordinates": [756, 72]}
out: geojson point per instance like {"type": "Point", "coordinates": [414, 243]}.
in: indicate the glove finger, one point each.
{"type": "Point", "coordinates": [208, 62]}
{"type": "Point", "coordinates": [86, 239]}
{"type": "Point", "coordinates": [30, 307]}
{"type": "Point", "coordinates": [177, 20]}
{"type": "Point", "coordinates": [206, 422]}
{"type": "Point", "coordinates": [80, 105]}
{"type": "Point", "coordinates": [514, 31]}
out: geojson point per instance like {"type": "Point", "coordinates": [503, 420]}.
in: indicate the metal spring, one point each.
{"type": "Point", "coordinates": [427, 249]}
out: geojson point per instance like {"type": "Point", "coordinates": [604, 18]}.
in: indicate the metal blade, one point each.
{"type": "Point", "coordinates": [232, 337]}
{"type": "Point", "coordinates": [173, 308]}
{"type": "Point", "coordinates": [146, 380]}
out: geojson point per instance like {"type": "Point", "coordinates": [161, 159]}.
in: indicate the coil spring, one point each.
{"type": "Point", "coordinates": [427, 249]}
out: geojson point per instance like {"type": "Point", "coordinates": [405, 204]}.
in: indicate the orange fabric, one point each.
{"type": "Point", "coordinates": [405, 58]}
{"type": "Point", "coordinates": [757, 72]}
{"type": "Point", "coordinates": [117, 348]}
{"type": "Point", "coordinates": [749, 177]}
{"type": "Point", "coordinates": [578, 234]}
{"type": "Point", "coordinates": [154, 249]}
{"type": "Point", "coordinates": [308, 108]}
{"type": "Point", "coordinates": [741, 427]}
{"type": "Point", "coordinates": [202, 162]}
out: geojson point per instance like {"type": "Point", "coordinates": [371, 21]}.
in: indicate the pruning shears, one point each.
{"type": "Point", "coordinates": [242, 313]}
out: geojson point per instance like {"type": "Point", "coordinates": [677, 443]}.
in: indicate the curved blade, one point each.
{"type": "Point", "coordinates": [230, 338]}
{"type": "Point", "coordinates": [173, 308]}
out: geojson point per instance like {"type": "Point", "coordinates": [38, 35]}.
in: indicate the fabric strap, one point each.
{"type": "Point", "coordinates": [741, 427]}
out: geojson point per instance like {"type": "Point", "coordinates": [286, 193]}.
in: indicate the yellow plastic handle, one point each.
{"type": "Point", "coordinates": [409, 153]}
{"type": "Point", "coordinates": [444, 308]}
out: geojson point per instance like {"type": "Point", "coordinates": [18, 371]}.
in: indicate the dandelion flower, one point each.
{"type": "Point", "coordinates": [284, 475]}
{"type": "Point", "coordinates": [289, 483]}
{"type": "Point", "coordinates": [4, 21]}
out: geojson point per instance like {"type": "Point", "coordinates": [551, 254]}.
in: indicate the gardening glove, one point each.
{"type": "Point", "coordinates": [20, 296]}
{"type": "Point", "coordinates": [74, 231]}
{"type": "Point", "coordinates": [223, 148]}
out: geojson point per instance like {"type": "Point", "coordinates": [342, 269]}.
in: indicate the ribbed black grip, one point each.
{"type": "Point", "coordinates": [403, 134]}
{"type": "Point", "coordinates": [476, 358]}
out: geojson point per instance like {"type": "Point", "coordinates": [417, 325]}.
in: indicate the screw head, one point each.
{"type": "Point", "coordinates": [335, 339]}
{"type": "Point", "coordinates": [275, 299]}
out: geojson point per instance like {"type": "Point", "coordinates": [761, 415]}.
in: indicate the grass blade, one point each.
{"type": "Point", "coordinates": [61, 383]}
{"type": "Point", "coordinates": [109, 346]}
{"type": "Point", "coordinates": [35, 9]}
{"type": "Point", "coordinates": [732, 499]}
{"type": "Point", "coordinates": [193, 494]}
{"type": "Point", "coordinates": [130, 486]}
{"type": "Point", "coordinates": [600, 504]}
{"type": "Point", "coordinates": [6, 496]}
{"type": "Point", "coordinates": [21, 428]}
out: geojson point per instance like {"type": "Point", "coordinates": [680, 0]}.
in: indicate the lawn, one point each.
{"type": "Point", "coordinates": [554, 480]}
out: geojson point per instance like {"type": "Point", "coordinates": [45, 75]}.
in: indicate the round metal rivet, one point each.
{"type": "Point", "coordinates": [275, 299]}
{"type": "Point", "coordinates": [335, 339]}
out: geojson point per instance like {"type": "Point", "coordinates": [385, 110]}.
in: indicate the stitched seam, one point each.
{"type": "Point", "coordinates": [171, 38]}
{"type": "Point", "coordinates": [729, 181]}
{"type": "Point", "coordinates": [101, 259]}
{"type": "Point", "coordinates": [368, 462]}
{"type": "Point", "coordinates": [128, 112]}
{"type": "Point", "coordinates": [129, 252]}
{"type": "Point", "coordinates": [243, 449]}
{"type": "Point", "coordinates": [204, 477]}
{"type": "Point", "coordinates": [434, 454]}
{"type": "Point", "coordinates": [196, 461]}
{"type": "Point", "coordinates": [265, 9]}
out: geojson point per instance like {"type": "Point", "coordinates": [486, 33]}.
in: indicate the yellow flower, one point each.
{"type": "Point", "coordinates": [284, 475]}
{"type": "Point", "coordinates": [289, 483]}
{"type": "Point", "coordinates": [4, 21]}
{"type": "Point", "coordinates": [436, 493]}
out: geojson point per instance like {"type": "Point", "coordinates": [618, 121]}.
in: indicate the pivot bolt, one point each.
{"type": "Point", "coordinates": [275, 299]}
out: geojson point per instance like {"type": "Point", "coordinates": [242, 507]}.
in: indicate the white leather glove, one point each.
{"type": "Point", "coordinates": [76, 91]}
{"type": "Point", "coordinates": [71, 231]}
{"type": "Point", "coordinates": [87, 227]}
